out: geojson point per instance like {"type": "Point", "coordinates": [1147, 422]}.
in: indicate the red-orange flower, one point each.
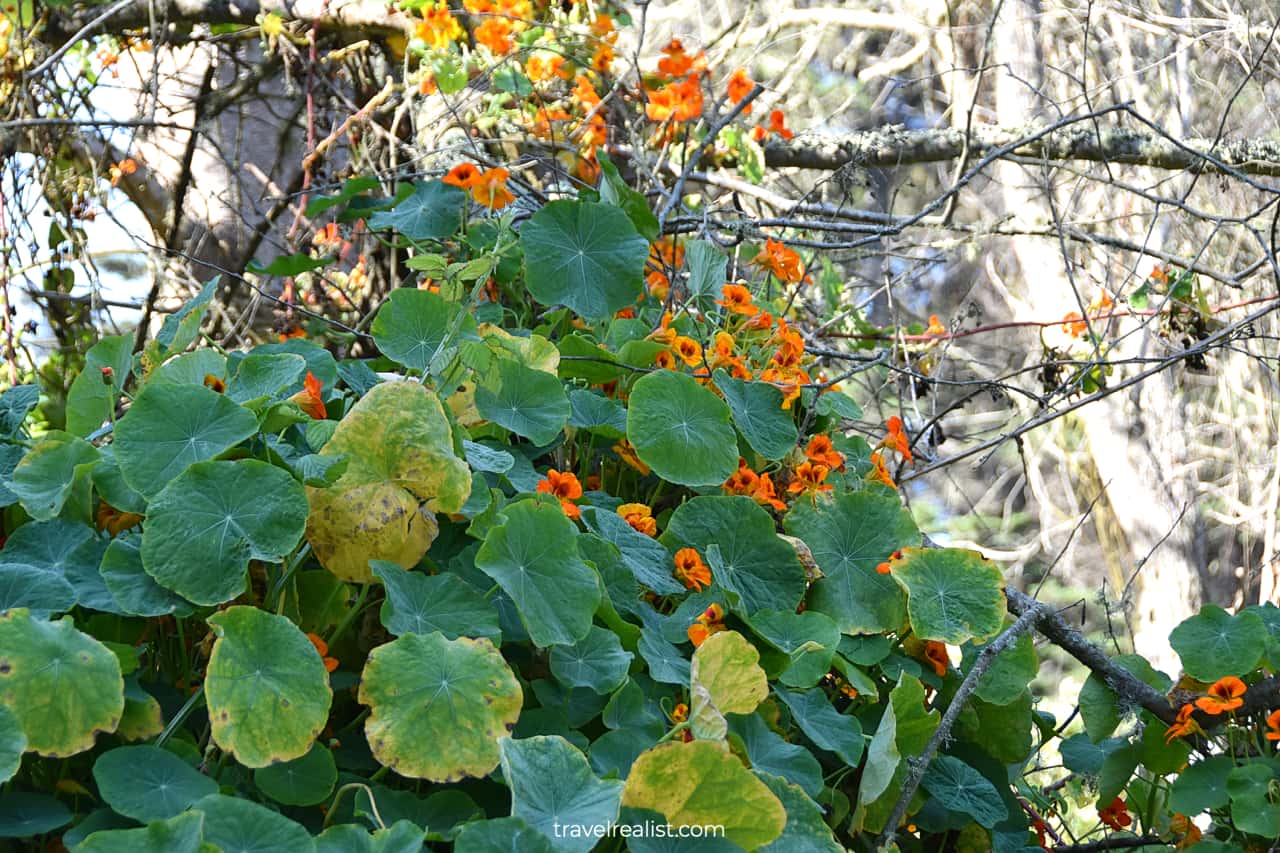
{"type": "Point", "coordinates": [490, 189]}
{"type": "Point", "coordinates": [114, 520]}
{"type": "Point", "coordinates": [1273, 723]}
{"type": "Point", "coordinates": [439, 28]}
{"type": "Point", "coordinates": [935, 654]}
{"type": "Point", "coordinates": [640, 517]}
{"type": "Point", "coordinates": [1115, 814]}
{"type": "Point", "coordinates": [779, 260]}
{"type": "Point", "coordinates": [1184, 725]}
{"type": "Point", "coordinates": [879, 471]}
{"type": "Point", "coordinates": [676, 62]}
{"type": "Point", "coordinates": [821, 450]}
{"type": "Point", "coordinates": [463, 175]}
{"type": "Point", "coordinates": [887, 566]}
{"type": "Point", "coordinates": [543, 67]}
{"type": "Point", "coordinates": [127, 166]}
{"type": "Point", "coordinates": [309, 398]}
{"type": "Point", "coordinates": [711, 621]}
{"type": "Point", "coordinates": [1224, 695]}
{"type": "Point", "coordinates": [737, 299]}
{"type": "Point", "coordinates": [897, 439]}
{"type": "Point", "coordinates": [665, 359]}
{"type": "Point", "coordinates": [215, 383]}
{"type": "Point", "coordinates": [690, 570]}
{"type": "Point", "coordinates": [936, 329]}
{"type": "Point", "coordinates": [675, 101]}
{"type": "Point", "coordinates": [565, 487]}
{"type": "Point", "coordinates": [777, 124]}
{"type": "Point", "coordinates": [495, 34]}
{"type": "Point", "coordinates": [330, 664]}
{"type": "Point", "coordinates": [740, 85]}
{"type": "Point", "coordinates": [810, 477]}
{"type": "Point", "coordinates": [765, 494]}
{"type": "Point", "coordinates": [741, 482]}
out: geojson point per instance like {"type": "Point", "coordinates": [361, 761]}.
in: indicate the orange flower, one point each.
{"type": "Point", "coordinates": [691, 571]}
{"type": "Point", "coordinates": [640, 517]}
{"type": "Point", "coordinates": [565, 487]}
{"type": "Point", "coordinates": [309, 398]}
{"type": "Point", "coordinates": [1182, 825]}
{"type": "Point", "coordinates": [1184, 725]}
{"type": "Point", "coordinates": [1074, 324]}
{"type": "Point", "coordinates": [738, 300]}
{"type": "Point", "coordinates": [1160, 274]}
{"type": "Point", "coordinates": [778, 125]}
{"type": "Point", "coordinates": [665, 360]}
{"type": "Point", "coordinates": [809, 478]}
{"type": "Point", "coordinates": [1273, 723]}
{"type": "Point", "coordinates": [887, 567]}
{"type": "Point", "coordinates": [680, 713]}
{"type": "Point", "coordinates": [543, 67]}
{"type": "Point", "coordinates": [677, 63]}
{"type": "Point", "coordinates": [897, 439]}
{"type": "Point", "coordinates": [935, 654]}
{"type": "Point", "coordinates": [1115, 814]}
{"type": "Point", "coordinates": [127, 166]}
{"type": "Point", "coordinates": [675, 101]}
{"type": "Point", "coordinates": [879, 471]}
{"type": "Point", "coordinates": [740, 85]}
{"type": "Point", "coordinates": [779, 260]}
{"type": "Point", "coordinates": [787, 380]}
{"type": "Point", "coordinates": [214, 383]}
{"type": "Point", "coordinates": [490, 189]}
{"type": "Point", "coordinates": [741, 482]}
{"type": "Point", "coordinates": [602, 58]}
{"type": "Point", "coordinates": [438, 28]}
{"type": "Point", "coordinates": [495, 34]}
{"type": "Point", "coordinates": [1223, 696]}
{"type": "Point", "coordinates": [710, 622]}
{"type": "Point", "coordinates": [760, 322]}
{"type": "Point", "coordinates": [463, 175]}
{"type": "Point", "coordinates": [689, 350]}
{"type": "Point", "coordinates": [330, 664]}
{"type": "Point", "coordinates": [765, 494]}
{"type": "Point", "coordinates": [820, 450]}
{"type": "Point", "coordinates": [114, 520]}
{"type": "Point", "coordinates": [585, 93]}
{"type": "Point", "coordinates": [628, 455]}
{"type": "Point", "coordinates": [936, 329]}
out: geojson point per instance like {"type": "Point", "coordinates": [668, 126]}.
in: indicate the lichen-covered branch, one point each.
{"type": "Point", "coordinates": [898, 146]}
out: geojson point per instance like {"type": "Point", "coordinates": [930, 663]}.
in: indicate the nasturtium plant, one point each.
{"type": "Point", "coordinates": [579, 520]}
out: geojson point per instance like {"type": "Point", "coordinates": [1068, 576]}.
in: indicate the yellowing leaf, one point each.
{"type": "Point", "coordinates": [399, 450]}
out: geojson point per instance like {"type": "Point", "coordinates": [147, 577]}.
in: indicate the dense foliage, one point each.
{"type": "Point", "coordinates": [586, 543]}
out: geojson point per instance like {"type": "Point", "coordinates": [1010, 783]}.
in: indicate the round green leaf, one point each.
{"type": "Point", "coordinates": [681, 430]}
{"type": "Point", "coordinates": [90, 400]}
{"type": "Point", "coordinates": [554, 790]}
{"type": "Point", "coordinates": [418, 603]}
{"type": "Point", "coordinates": [235, 825]}
{"type": "Point", "coordinates": [303, 781]}
{"type": "Point", "coordinates": [824, 725]}
{"type": "Point", "coordinates": [806, 831]}
{"type": "Point", "coordinates": [170, 427]}
{"type": "Point", "coordinates": [759, 416]}
{"type": "Point", "coordinates": [534, 557]}
{"type": "Point", "coordinates": [849, 535]}
{"type": "Point", "coordinates": [1214, 644]}
{"type": "Point", "coordinates": [45, 476]}
{"type": "Point", "coordinates": [432, 212]}
{"type": "Point", "coordinates": [1252, 807]}
{"type": "Point", "coordinates": [180, 834]}
{"type": "Point", "coordinates": [266, 686]}
{"type": "Point", "coordinates": [501, 835]}
{"type": "Point", "coordinates": [147, 783]}
{"type": "Point", "coordinates": [1100, 707]}
{"type": "Point", "coordinates": [212, 519]}
{"type": "Point", "coordinates": [136, 593]}
{"type": "Point", "coordinates": [438, 706]}
{"type": "Point", "coordinates": [399, 449]}
{"type": "Point", "coordinates": [265, 375]}
{"type": "Point", "coordinates": [644, 556]}
{"type": "Point", "coordinates": [38, 591]}
{"type": "Point", "coordinates": [729, 668]}
{"type": "Point", "coordinates": [700, 783]}
{"type": "Point", "coordinates": [769, 752]}
{"type": "Point", "coordinates": [810, 640]}
{"type": "Point", "coordinates": [190, 368]}
{"type": "Point", "coordinates": [597, 661]}
{"type": "Point", "coordinates": [412, 325]}
{"type": "Point", "coordinates": [1007, 678]}
{"type": "Point", "coordinates": [585, 256]}
{"type": "Point", "coordinates": [62, 685]}
{"type": "Point", "coordinates": [1202, 786]}
{"type": "Point", "coordinates": [960, 788]}
{"type": "Point", "coordinates": [755, 565]}
{"type": "Point", "coordinates": [530, 403]}
{"type": "Point", "coordinates": [12, 743]}
{"type": "Point", "coordinates": [953, 595]}
{"type": "Point", "coordinates": [23, 815]}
